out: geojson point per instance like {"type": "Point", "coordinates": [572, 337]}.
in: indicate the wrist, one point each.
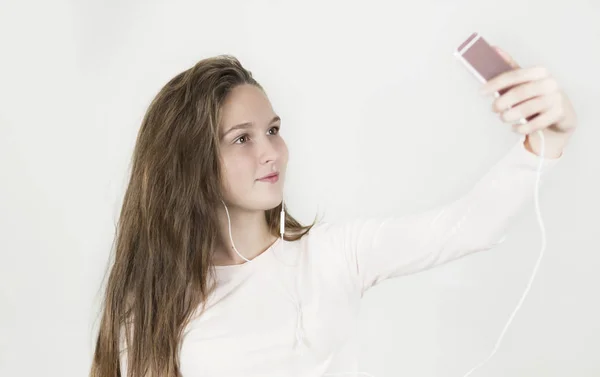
{"type": "Point", "coordinates": [554, 143]}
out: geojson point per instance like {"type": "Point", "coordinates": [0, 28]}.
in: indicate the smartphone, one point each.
{"type": "Point", "coordinates": [484, 62]}
{"type": "Point", "coordinates": [481, 59]}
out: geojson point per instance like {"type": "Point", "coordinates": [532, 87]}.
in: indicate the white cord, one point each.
{"type": "Point", "coordinates": [537, 264]}
{"type": "Point", "coordinates": [231, 237]}
{"type": "Point", "coordinates": [535, 269]}
{"type": "Point", "coordinates": [300, 333]}
{"type": "Point", "coordinates": [281, 228]}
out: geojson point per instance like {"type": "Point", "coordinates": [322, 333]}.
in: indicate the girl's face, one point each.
{"type": "Point", "coordinates": [251, 148]}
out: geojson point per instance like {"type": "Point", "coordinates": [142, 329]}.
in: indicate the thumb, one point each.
{"type": "Point", "coordinates": [506, 57]}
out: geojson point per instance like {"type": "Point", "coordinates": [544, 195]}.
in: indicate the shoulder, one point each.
{"type": "Point", "coordinates": [339, 231]}
{"type": "Point", "coordinates": [330, 240]}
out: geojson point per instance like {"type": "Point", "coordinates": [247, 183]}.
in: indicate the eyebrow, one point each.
{"type": "Point", "coordinates": [247, 125]}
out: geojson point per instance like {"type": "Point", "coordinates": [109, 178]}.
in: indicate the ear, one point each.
{"type": "Point", "coordinates": [506, 57]}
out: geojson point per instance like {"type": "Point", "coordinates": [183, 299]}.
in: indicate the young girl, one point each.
{"type": "Point", "coordinates": [206, 279]}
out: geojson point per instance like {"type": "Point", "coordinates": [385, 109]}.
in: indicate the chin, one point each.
{"type": "Point", "coordinates": [269, 202]}
{"type": "Point", "coordinates": [260, 202]}
{"type": "Point", "coordinates": [273, 202]}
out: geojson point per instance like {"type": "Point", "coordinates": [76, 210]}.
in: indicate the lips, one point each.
{"type": "Point", "coordinates": [270, 176]}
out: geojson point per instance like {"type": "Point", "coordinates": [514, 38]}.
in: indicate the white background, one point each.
{"type": "Point", "coordinates": [379, 118]}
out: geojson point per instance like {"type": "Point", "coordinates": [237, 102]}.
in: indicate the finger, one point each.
{"type": "Point", "coordinates": [523, 92]}
{"type": "Point", "coordinates": [544, 120]}
{"type": "Point", "coordinates": [514, 77]}
{"type": "Point", "coordinates": [506, 57]}
{"type": "Point", "coordinates": [528, 108]}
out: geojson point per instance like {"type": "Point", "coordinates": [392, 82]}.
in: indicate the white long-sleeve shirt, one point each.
{"type": "Point", "coordinates": [290, 310]}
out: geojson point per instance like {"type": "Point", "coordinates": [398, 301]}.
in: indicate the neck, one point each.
{"type": "Point", "coordinates": [250, 234]}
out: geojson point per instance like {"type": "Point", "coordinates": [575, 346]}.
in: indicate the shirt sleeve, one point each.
{"type": "Point", "coordinates": [377, 249]}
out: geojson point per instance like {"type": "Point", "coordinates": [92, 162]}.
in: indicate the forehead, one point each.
{"type": "Point", "coordinates": [245, 103]}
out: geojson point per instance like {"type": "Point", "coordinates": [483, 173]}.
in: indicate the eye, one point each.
{"type": "Point", "coordinates": [242, 139]}
{"type": "Point", "coordinates": [275, 130]}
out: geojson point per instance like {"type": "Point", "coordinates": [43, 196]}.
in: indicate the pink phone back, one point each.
{"type": "Point", "coordinates": [483, 58]}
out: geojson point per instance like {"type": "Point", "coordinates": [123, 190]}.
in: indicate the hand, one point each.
{"type": "Point", "coordinates": [532, 91]}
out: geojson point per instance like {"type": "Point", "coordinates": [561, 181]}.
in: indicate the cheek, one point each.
{"type": "Point", "coordinates": [237, 172]}
{"type": "Point", "coordinates": [283, 152]}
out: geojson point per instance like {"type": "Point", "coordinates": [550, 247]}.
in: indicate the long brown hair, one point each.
{"type": "Point", "coordinates": [168, 229]}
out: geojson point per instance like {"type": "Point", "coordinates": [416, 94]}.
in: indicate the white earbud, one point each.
{"type": "Point", "coordinates": [282, 220]}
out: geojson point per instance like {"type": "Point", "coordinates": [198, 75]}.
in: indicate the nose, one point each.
{"type": "Point", "coordinates": [268, 150]}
